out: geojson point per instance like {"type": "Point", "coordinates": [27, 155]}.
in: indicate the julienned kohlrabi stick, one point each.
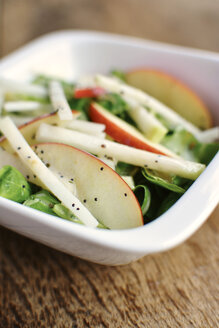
{"type": "Point", "coordinates": [123, 153]}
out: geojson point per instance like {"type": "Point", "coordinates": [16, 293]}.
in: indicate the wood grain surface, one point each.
{"type": "Point", "coordinates": [41, 287]}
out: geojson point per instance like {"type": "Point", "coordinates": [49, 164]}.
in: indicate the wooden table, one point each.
{"type": "Point", "coordinates": [41, 287]}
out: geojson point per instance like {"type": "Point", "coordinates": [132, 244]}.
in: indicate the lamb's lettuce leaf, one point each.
{"type": "Point", "coordinates": [119, 74]}
{"type": "Point", "coordinates": [167, 202]}
{"type": "Point", "coordinates": [13, 185]}
{"type": "Point", "coordinates": [114, 104]}
{"type": "Point", "coordinates": [143, 195]}
{"type": "Point", "coordinates": [206, 152]}
{"type": "Point", "coordinates": [126, 169]}
{"type": "Point", "coordinates": [42, 201]}
{"type": "Point", "coordinates": [184, 144]}
{"type": "Point", "coordinates": [164, 180]}
{"type": "Point", "coordinates": [81, 105]}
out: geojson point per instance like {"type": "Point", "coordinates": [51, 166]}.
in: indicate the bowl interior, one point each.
{"type": "Point", "coordinates": [72, 54]}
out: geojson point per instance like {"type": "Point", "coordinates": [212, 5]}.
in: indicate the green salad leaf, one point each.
{"type": "Point", "coordinates": [164, 181]}
{"type": "Point", "coordinates": [42, 201]}
{"type": "Point", "coordinates": [143, 195]}
{"type": "Point", "coordinates": [126, 169]}
{"type": "Point", "coordinates": [167, 202]}
{"type": "Point", "coordinates": [64, 213]}
{"type": "Point", "coordinates": [114, 103]}
{"type": "Point", "coordinates": [82, 105]}
{"type": "Point", "coordinates": [119, 74]}
{"type": "Point", "coordinates": [184, 144]}
{"type": "Point", "coordinates": [13, 185]}
{"type": "Point", "coordinates": [206, 152]}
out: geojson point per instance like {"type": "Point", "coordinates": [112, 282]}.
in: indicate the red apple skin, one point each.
{"type": "Point", "coordinates": [119, 134]}
{"type": "Point", "coordinates": [89, 92]}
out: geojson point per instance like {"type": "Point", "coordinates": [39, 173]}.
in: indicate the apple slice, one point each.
{"type": "Point", "coordinates": [99, 188]}
{"type": "Point", "coordinates": [29, 129]}
{"type": "Point", "coordinates": [123, 132]}
{"type": "Point", "coordinates": [172, 93]}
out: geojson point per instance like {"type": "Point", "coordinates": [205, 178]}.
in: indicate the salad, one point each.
{"type": "Point", "coordinates": [100, 151]}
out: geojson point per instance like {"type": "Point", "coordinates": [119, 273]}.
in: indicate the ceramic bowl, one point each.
{"type": "Point", "coordinates": [70, 54]}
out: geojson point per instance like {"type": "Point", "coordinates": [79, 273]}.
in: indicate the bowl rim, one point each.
{"type": "Point", "coordinates": [162, 233]}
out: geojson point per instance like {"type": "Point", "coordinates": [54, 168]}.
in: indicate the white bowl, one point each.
{"type": "Point", "coordinates": [70, 54]}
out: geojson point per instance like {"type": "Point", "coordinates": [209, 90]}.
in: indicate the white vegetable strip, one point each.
{"type": "Point", "coordinates": [108, 161]}
{"type": "Point", "coordinates": [31, 160]}
{"type": "Point", "coordinates": [22, 106]}
{"type": "Point", "coordinates": [148, 124]}
{"type": "Point", "coordinates": [209, 135]}
{"type": "Point", "coordinates": [114, 85]}
{"type": "Point", "coordinates": [13, 160]}
{"type": "Point", "coordinates": [95, 129]}
{"type": "Point", "coordinates": [120, 152]}
{"type": "Point", "coordinates": [70, 186]}
{"type": "Point", "coordinates": [59, 101]}
{"type": "Point", "coordinates": [25, 88]}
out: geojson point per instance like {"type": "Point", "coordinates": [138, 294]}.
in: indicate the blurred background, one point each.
{"type": "Point", "coordinates": [184, 22]}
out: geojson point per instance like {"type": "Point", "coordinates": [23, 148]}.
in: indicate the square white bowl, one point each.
{"type": "Point", "coordinates": [70, 54]}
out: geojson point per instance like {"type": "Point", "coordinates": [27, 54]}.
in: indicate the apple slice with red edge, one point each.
{"type": "Point", "coordinates": [123, 132]}
{"type": "Point", "coordinates": [99, 188]}
{"type": "Point", "coordinates": [29, 129]}
{"type": "Point", "coordinates": [172, 93]}
{"type": "Point", "coordinates": [89, 92]}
